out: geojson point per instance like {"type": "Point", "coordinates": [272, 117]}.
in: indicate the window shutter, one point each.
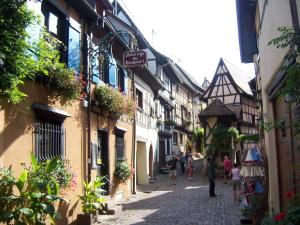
{"type": "Point", "coordinates": [112, 71]}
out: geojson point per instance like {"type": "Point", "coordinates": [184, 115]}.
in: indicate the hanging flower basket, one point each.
{"type": "Point", "coordinates": [122, 171]}
{"type": "Point", "coordinates": [113, 102]}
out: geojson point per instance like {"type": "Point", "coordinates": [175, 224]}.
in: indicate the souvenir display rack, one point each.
{"type": "Point", "coordinates": [252, 183]}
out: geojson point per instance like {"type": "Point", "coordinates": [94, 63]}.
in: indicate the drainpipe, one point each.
{"type": "Point", "coordinates": [89, 110]}
{"type": "Point", "coordinates": [133, 138]}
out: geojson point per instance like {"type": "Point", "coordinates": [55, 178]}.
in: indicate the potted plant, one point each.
{"type": "Point", "coordinates": [170, 122]}
{"type": "Point", "coordinates": [159, 122]}
{"type": "Point", "coordinates": [91, 201]}
{"type": "Point", "coordinates": [122, 171]}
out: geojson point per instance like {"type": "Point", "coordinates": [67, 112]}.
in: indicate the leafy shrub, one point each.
{"type": "Point", "coordinates": [37, 192]}
{"type": "Point", "coordinates": [92, 199]}
{"type": "Point", "coordinates": [122, 171]}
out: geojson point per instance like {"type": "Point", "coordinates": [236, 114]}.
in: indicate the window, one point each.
{"type": "Point", "coordinates": [253, 120]}
{"type": "Point", "coordinates": [112, 72]}
{"type": "Point", "coordinates": [122, 79]}
{"type": "Point", "coordinates": [167, 83]}
{"type": "Point", "coordinates": [181, 139]}
{"type": "Point", "coordinates": [168, 146]}
{"type": "Point", "coordinates": [57, 25]}
{"type": "Point", "coordinates": [175, 138]}
{"type": "Point", "coordinates": [74, 45]}
{"type": "Point", "coordinates": [120, 143]}
{"type": "Point", "coordinates": [139, 98]}
{"type": "Point", "coordinates": [67, 31]}
{"type": "Point", "coordinates": [49, 139]}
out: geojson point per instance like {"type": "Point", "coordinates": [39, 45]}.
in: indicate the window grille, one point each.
{"type": "Point", "coordinates": [49, 139]}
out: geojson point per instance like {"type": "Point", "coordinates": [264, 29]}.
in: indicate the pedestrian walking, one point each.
{"type": "Point", "coordinates": [212, 176]}
{"type": "Point", "coordinates": [227, 168]}
{"type": "Point", "coordinates": [190, 166]}
{"type": "Point", "coordinates": [182, 162]}
{"type": "Point", "coordinates": [172, 165]}
{"type": "Point", "coordinates": [235, 181]}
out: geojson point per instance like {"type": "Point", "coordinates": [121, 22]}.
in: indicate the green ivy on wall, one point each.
{"type": "Point", "coordinates": [21, 60]}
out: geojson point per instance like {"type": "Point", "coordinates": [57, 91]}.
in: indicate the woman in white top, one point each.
{"type": "Point", "coordinates": [235, 181]}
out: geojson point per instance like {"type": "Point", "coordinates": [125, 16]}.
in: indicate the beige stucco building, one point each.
{"type": "Point", "coordinates": [258, 23]}
{"type": "Point", "coordinates": [78, 131]}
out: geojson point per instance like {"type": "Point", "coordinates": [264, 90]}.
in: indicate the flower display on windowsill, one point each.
{"type": "Point", "coordinates": [170, 122]}
{"type": "Point", "coordinates": [113, 102]}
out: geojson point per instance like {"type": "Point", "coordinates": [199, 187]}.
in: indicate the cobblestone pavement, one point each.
{"type": "Point", "coordinates": [185, 203]}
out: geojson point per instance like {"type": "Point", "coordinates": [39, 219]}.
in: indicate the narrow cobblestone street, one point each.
{"type": "Point", "coordinates": [187, 202]}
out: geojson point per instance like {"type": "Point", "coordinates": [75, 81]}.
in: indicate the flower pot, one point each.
{"type": "Point", "coordinates": [84, 219]}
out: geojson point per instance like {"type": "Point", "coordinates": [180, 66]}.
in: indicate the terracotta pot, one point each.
{"type": "Point", "coordinates": [84, 219]}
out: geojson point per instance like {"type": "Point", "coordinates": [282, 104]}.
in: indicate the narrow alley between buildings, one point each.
{"type": "Point", "coordinates": [187, 202]}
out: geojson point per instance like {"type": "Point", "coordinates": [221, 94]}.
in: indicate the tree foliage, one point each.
{"type": "Point", "coordinates": [198, 139]}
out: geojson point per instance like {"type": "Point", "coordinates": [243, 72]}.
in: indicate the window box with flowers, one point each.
{"type": "Point", "coordinates": [113, 102]}
{"type": "Point", "coordinates": [170, 122]}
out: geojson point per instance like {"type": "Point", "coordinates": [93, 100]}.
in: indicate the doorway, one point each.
{"type": "Point", "coordinates": [162, 153]}
{"type": "Point", "coordinates": [103, 160]}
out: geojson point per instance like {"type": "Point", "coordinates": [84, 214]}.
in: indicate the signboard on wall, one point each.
{"type": "Point", "coordinates": [135, 58]}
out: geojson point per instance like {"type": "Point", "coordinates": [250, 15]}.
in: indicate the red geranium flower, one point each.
{"type": "Point", "coordinates": [280, 216]}
{"type": "Point", "coordinates": [289, 195]}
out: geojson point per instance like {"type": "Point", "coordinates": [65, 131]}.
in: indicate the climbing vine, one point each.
{"type": "Point", "coordinates": [290, 90]}
{"type": "Point", "coordinates": [198, 139]}
{"type": "Point", "coordinates": [38, 60]}
{"type": "Point", "coordinates": [15, 65]}
{"type": "Point", "coordinates": [223, 140]}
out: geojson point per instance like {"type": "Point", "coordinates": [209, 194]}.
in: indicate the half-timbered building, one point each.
{"type": "Point", "coordinates": [230, 102]}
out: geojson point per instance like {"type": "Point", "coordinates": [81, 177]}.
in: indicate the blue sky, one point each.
{"type": "Point", "coordinates": [194, 33]}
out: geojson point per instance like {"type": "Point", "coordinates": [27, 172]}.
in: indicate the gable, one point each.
{"type": "Point", "coordinates": [222, 85]}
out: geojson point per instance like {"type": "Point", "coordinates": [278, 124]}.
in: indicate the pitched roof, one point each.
{"type": "Point", "coordinates": [239, 77]}
{"type": "Point", "coordinates": [216, 108]}
{"type": "Point", "coordinates": [205, 84]}
{"type": "Point", "coordinates": [190, 80]}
